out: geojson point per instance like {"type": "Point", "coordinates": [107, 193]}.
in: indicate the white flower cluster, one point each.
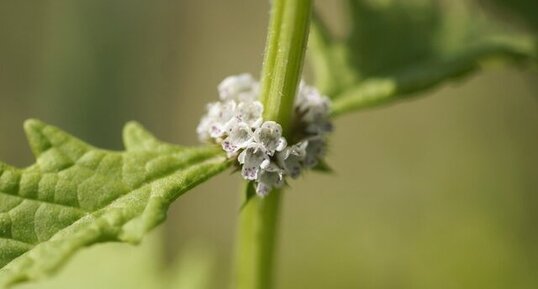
{"type": "Point", "coordinates": [235, 122]}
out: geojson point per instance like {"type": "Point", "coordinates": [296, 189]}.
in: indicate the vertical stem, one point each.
{"type": "Point", "coordinates": [284, 55]}
{"type": "Point", "coordinates": [256, 240]}
{"type": "Point", "coordinates": [283, 63]}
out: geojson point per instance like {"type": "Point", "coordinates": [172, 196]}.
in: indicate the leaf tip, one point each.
{"type": "Point", "coordinates": [34, 133]}
{"type": "Point", "coordinates": [135, 136]}
{"type": "Point", "coordinates": [132, 126]}
{"type": "Point", "coordinates": [33, 124]}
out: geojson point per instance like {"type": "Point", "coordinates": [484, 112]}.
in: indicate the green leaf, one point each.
{"type": "Point", "coordinates": [76, 195]}
{"type": "Point", "coordinates": [397, 48]}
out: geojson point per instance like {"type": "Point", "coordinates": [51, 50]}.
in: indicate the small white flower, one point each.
{"type": "Point", "coordinates": [252, 158]}
{"type": "Point", "coordinates": [262, 189]}
{"type": "Point", "coordinates": [269, 135]}
{"type": "Point", "coordinates": [291, 158]}
{"type": "Point", "coordinates": [203, 129]}
{"type": "Point", "coordinates": [240, 137]}
{"type": "Point", "coordinates": [269, 179]}
{"type": "Point", "coordinates": [210, 121]}
{"type": "Point", "coordinates": [241, 87]}
{"type": "Point", "coordinates": [250, 113]}
{"type": "Point", "coordinates": [313, 106]}
{"type": "Point", "coordinates": [219, 119]}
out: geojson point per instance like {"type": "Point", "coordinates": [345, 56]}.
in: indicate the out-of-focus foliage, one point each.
{"type": "Point", "coordinates": [112, 265]}
{"type": "Point", "coordinates": [395, 48]}
{"type": "Point", "coordinates": [136, 267]}
{"type": "Point", "coordinates": [524, 10]}
{"type": "Point", "coordinates": [76, 195]}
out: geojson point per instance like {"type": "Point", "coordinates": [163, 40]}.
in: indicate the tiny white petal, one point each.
{"type": "Point", "coordinates": [252, 158]}
{"type": "Point", "coordinates": [216, 130]}
{"type": "Point", "coordinates": [250, 113]}
{"type": "Point", "coordinates": [282, 143]}
{"type": "Point", "coordinates": [203, 129]}
{"type": "Point", "coordinates": [292, 157]}
{"type": "Point", "coordinates": [269, 136]}
{"type": "Point", "coordinates": [241, 157]}
{"type": "Point", "coordinates": [227, 111]}
{"type": "Point", "coordinates": [240, 136]}
{"type": "Point", "coordinates": [267, 181]}
{"type": "Point", "coordinates": [312, 105]}
{"type": "Point", "coordinates": [262, 189]}
{"type": "Point", "coordinates": [265, 164]}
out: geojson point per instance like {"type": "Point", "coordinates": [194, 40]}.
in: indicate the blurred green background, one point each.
{"type": "Point", "coordinates": [435, 192]}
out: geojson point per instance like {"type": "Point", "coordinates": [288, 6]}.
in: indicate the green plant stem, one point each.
{"type": "Point", "coordinates": [256, 240]}
{"type": "Point", "coordinates": [284, 55]}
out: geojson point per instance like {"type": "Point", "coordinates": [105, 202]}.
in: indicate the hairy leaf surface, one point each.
{"type": "Point", "coordinates": [396, 48]}
{"type": "Point", "coordinates": [76, 195]}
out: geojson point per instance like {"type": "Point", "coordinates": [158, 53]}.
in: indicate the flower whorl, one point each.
{"type": "Point", "coordinates": [236, 123]}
